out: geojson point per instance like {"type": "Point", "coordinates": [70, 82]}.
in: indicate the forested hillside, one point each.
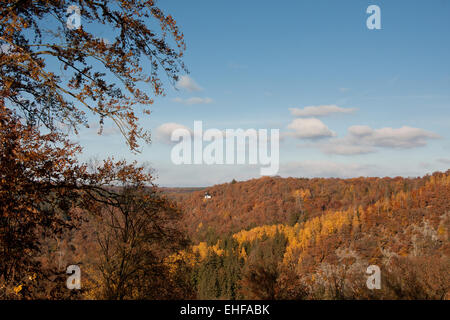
{"type": "Point", "coordinates": [268, 238]}
{"type": "Point", "coordinates": [265, 201]}
{"type": "Point", "coordinates": [314, 238]}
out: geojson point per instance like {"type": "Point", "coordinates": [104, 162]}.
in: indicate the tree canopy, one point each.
{"type": "Point", "coordinates": [56, 76]}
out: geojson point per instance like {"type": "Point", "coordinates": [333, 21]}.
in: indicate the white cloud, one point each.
{"type": "Point", "coordinates": [187, 83]}
{"type": "Point", "coordinates": [164, 131]}
{"type": "Point", "coordinates": [193, 100]}
{"type": "Point", "coordinates": [319, 111]}
{"type": "Point", "coordinates": [404, 137]}
{"type": "Point", "coordinates": [360, 131]}
{"type": "Point", "coordinates": [309, 128]}
{"type": "Point", "coordinates": [363, 139]}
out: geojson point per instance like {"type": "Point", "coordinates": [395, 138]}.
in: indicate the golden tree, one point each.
{"type": "Point", "coordinates": [56, 75]}
{"type": "Point", "coordinates": [41, 182]}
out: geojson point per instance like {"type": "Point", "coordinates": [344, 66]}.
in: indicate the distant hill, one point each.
{"type": "Point", "coordinates": [179, 190]}
{"type": "Point", "coordinates": [272, 200]}
{"type": "Point", "coordinates": [276, 238]}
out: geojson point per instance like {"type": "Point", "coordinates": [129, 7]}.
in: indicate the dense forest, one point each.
{"type": "Point", "coordinates": [268, 238]}
{"type": "Point", "coordinates": [276, 238]}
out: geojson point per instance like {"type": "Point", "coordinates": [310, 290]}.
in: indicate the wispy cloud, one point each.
{"type": "Point", "coordinates": [319, 111]}
{"type": "Point", "coordinates": [187, 83]}
{"type": "Point", "coordinates": [363, 139]}
{"type": "Point", "coordinates": [193, 100]}
{"type": "Point", "coordinates": [164, 131]}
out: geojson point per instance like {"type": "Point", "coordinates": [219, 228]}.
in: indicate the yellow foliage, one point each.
{"type": "Point", "coordinates": [18, 289]}
{"type": "Point", "coordinates": [259, 232]}
{"type": "Point", "coordinates": [243, 253]}
{"type": "Point", "coordinates": [315, 229]}
{"type": "Point", "coordinates": [201, 249]}
{"type": "Point", "coordinates": [184, 256]}
{"type": "Point", "coordinates": [303, 194]}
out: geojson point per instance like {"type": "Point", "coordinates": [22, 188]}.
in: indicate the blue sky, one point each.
{"type": "Point", "coordinates": [254, 60]}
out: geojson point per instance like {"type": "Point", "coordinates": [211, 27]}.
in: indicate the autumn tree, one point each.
{"type": "Point", "coordinates": [134, 237]}
{"type": "Point", "coordinates": [424, 277]}
{"type": "Point", "coordinates": [37, 173]}
{"type": "Point", "coordinates": [56, 76]}
{"type": "Point", "coordinates": [41, 183]}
